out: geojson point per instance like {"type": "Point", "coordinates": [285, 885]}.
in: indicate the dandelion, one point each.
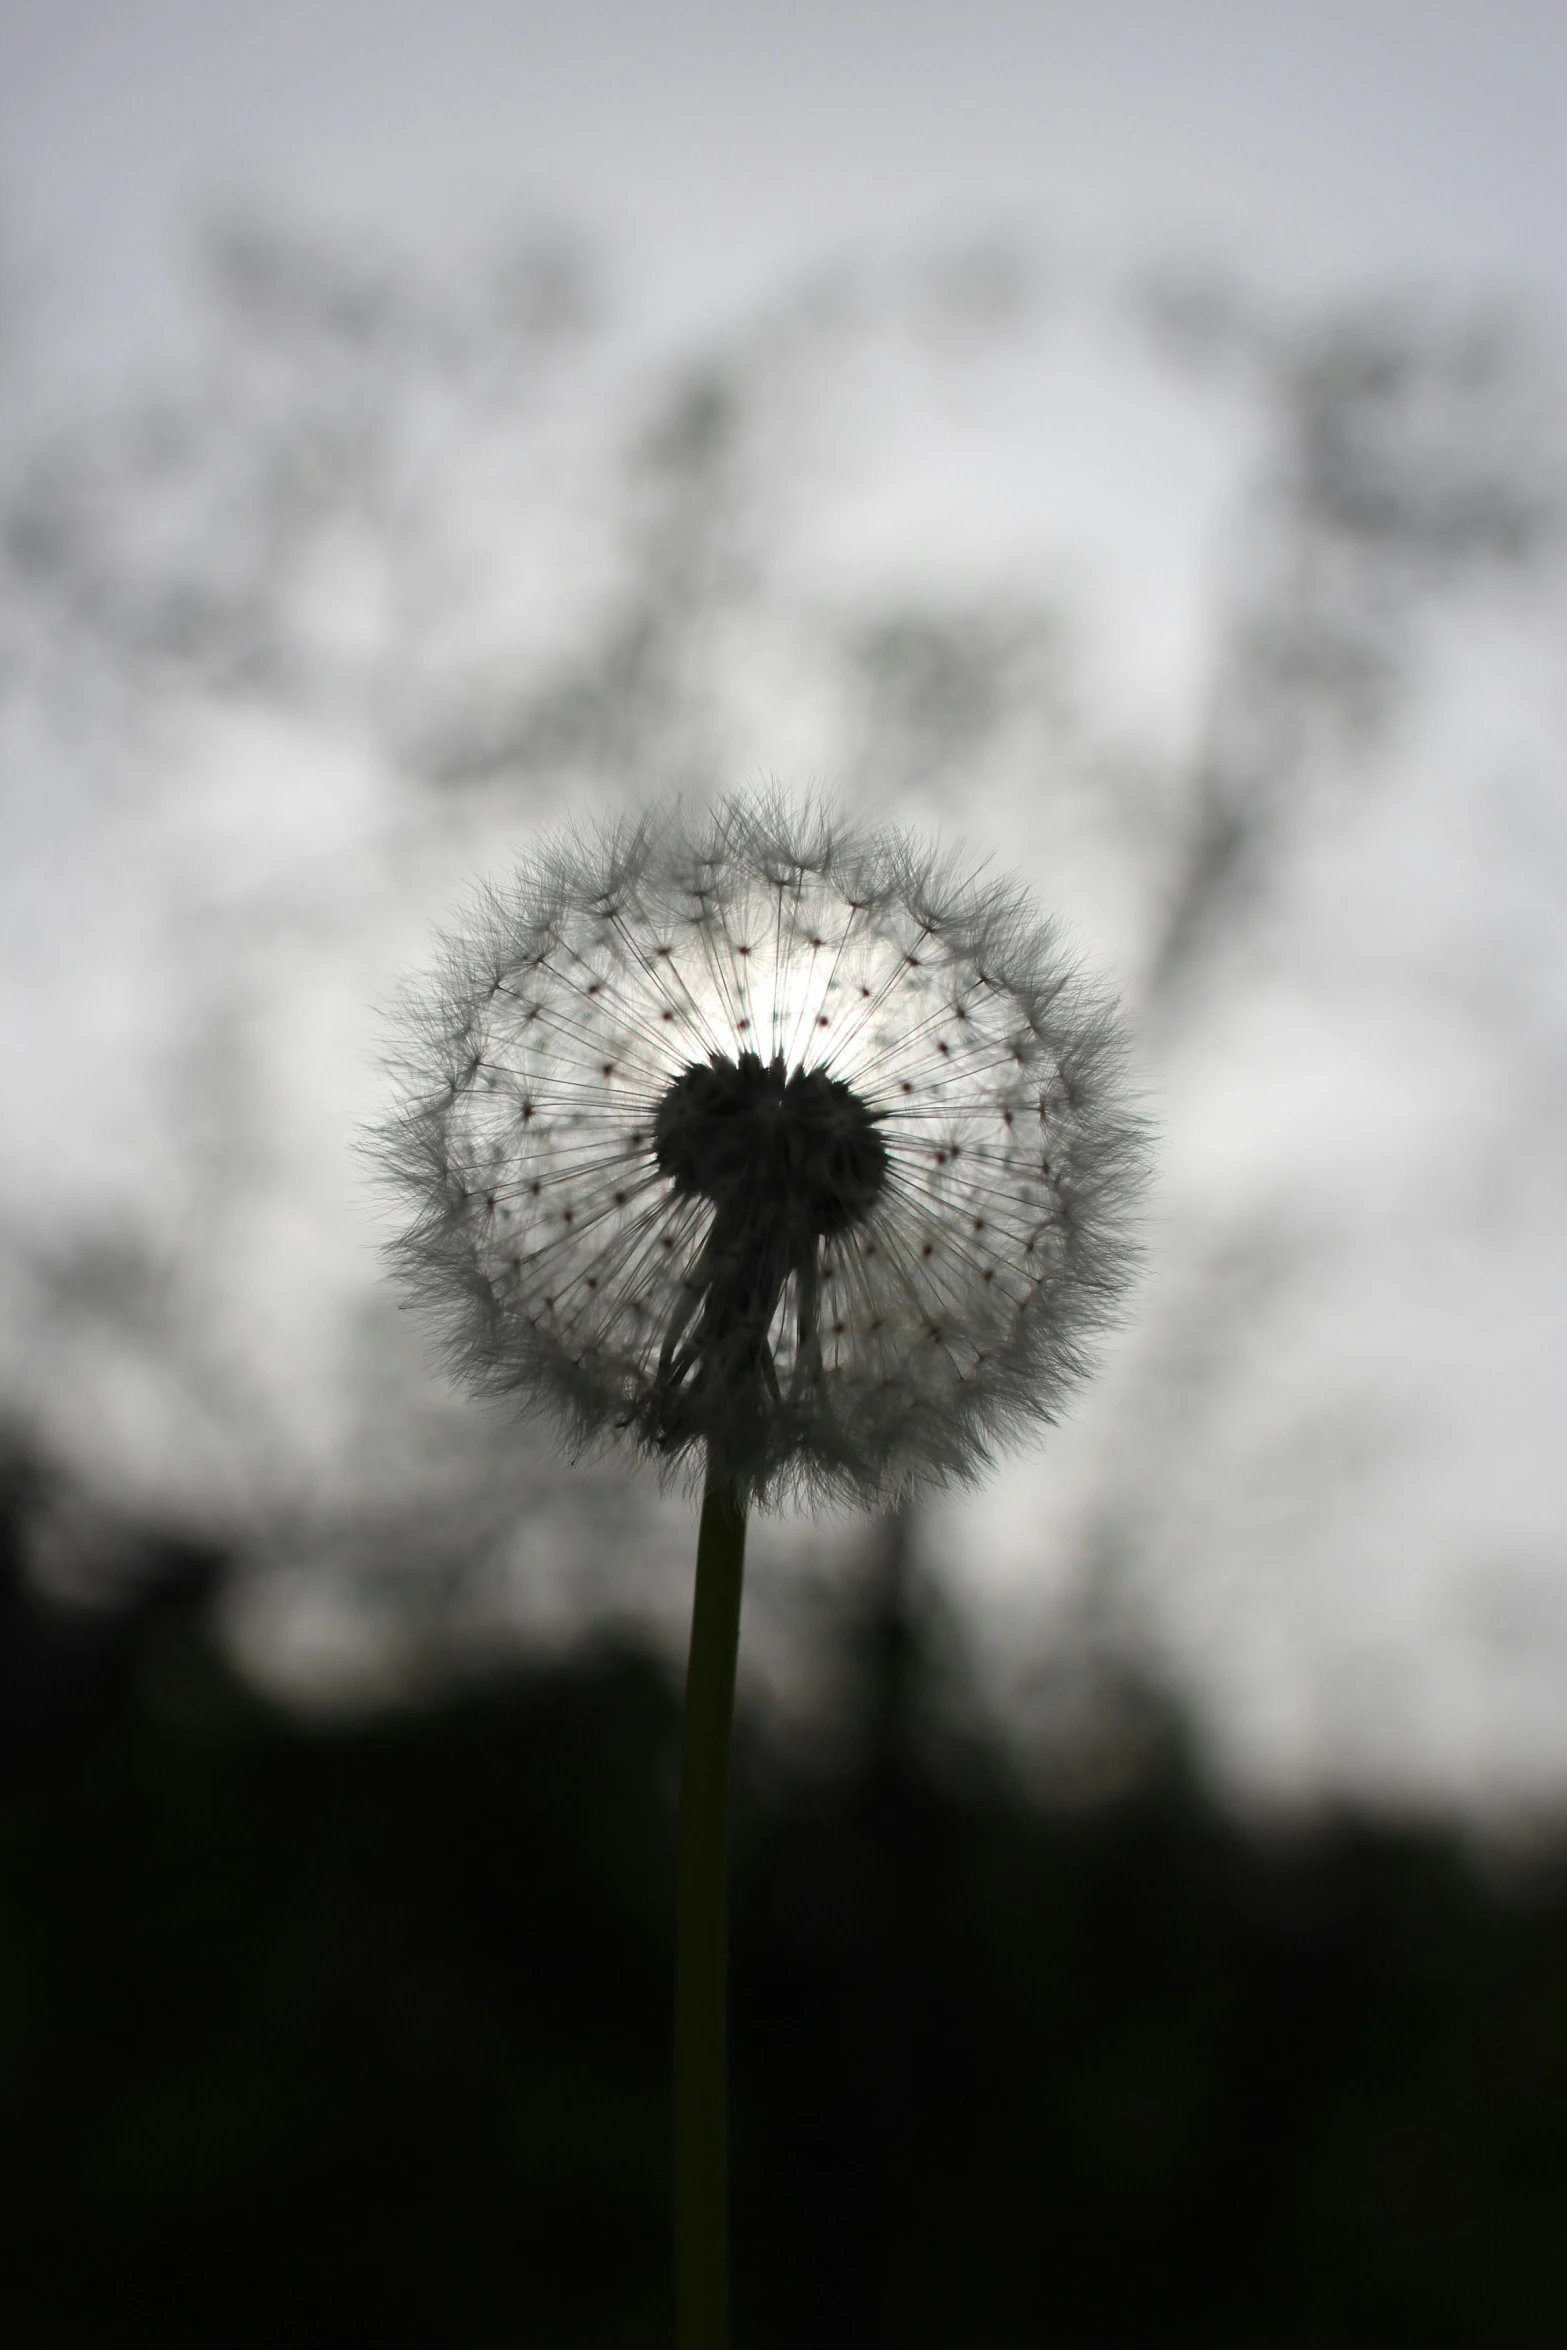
{"type": "Point", "coordinates": [779, 1150]}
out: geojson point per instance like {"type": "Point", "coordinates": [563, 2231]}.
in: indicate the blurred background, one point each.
{"type": "Point", "coordinates": [1130, 440]}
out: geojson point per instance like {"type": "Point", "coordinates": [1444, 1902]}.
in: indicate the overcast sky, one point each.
{"type": "Point", "coordinates": [1320, 144]}
{"type": "Point", "coordinates": [1304, 1568]}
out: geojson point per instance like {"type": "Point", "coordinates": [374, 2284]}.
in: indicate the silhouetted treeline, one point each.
{"type": "Point", "coordinates": [361, 2034]}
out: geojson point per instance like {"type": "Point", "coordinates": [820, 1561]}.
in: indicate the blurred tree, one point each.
{"type": "Point", "coordinates": [360, 2033]}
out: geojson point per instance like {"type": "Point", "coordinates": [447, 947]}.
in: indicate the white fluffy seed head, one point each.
{"type": "Point", "coordinates": [754, 1135]}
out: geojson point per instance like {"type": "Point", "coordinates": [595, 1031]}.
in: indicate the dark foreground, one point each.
{"type": "Point", "coordinates": [362, 2037]}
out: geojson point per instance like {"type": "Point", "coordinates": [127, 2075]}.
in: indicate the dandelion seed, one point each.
{"type": "Point", "coordinates": [821, 1035]}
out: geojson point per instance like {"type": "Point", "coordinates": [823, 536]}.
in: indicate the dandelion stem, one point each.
{"type": "Point", "coordinates": [701, 1926]}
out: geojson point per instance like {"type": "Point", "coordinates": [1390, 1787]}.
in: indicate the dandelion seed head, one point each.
{"type": "Point", "coordinates": [757, 1134]}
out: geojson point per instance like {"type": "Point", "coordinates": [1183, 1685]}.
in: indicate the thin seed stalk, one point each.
{"type": "Point", "coordinates": [701, 1927]}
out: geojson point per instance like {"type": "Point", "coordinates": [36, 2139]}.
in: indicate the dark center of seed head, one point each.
{"type": "Point", "coordinates": [799, 1154]}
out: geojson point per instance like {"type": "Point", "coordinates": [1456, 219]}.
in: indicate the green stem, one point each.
{"type": "Point", "coordinates": [701, 1927]}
